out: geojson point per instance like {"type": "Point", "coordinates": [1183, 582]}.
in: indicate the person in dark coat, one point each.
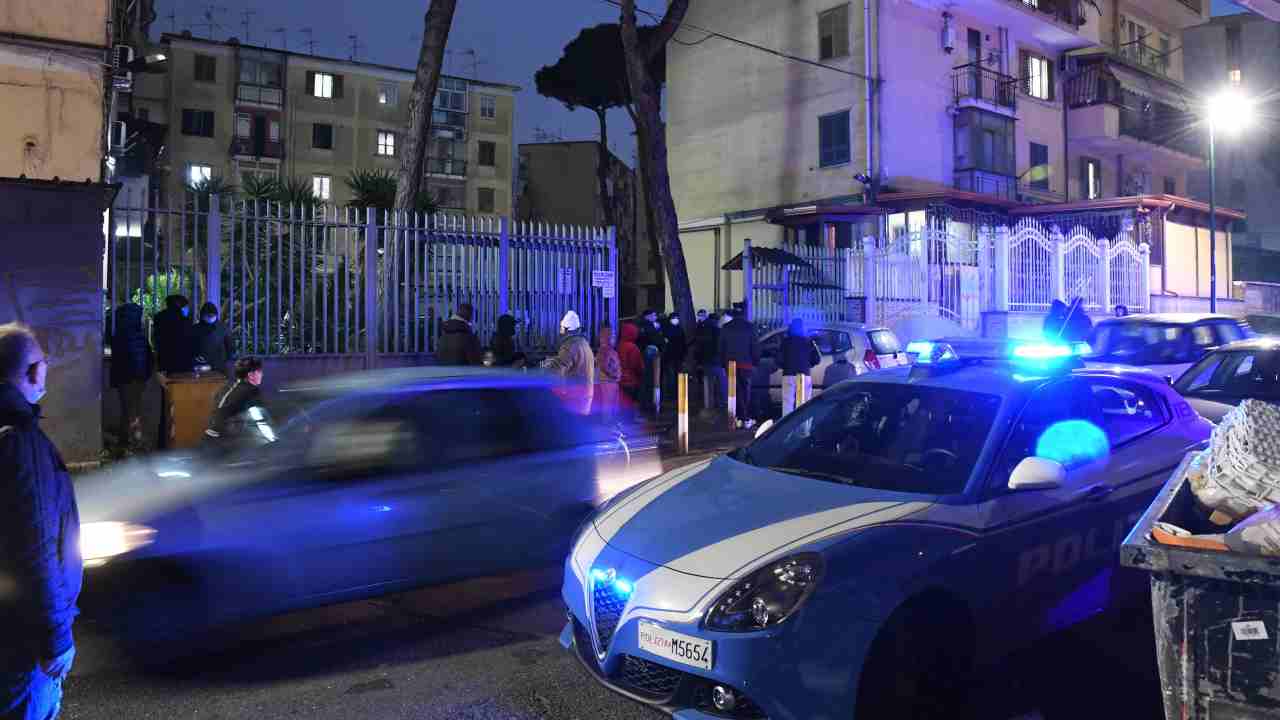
{"type": "Point", "coordinates": [237, 410]}
{"type": "Point", "coordinates": [738, 344]}
{"type": "Point", "coordinates": [212, 342]}
{"type": "Point", "coordinates": [673, 355]}
{"type": "Point", "coordinates": [1054, 320]}
{"type": "Point", "coordinates": [706, 353]}
{"type": "Point", "coordinates": [130, 370]}
{"type": "Point", "coordinates": [503, 345]}
{"type": "Point", "coordinates": [175, 352]}
{"type": "Point", "coordinates": [800, 353]}
{"type": "Point", "coordinates": [458, 342]}
{"type": "Point", "coordinates": [40, 562]}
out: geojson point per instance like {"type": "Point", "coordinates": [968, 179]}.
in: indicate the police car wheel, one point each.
{"type": "Point", "coordinates": [918, 666]}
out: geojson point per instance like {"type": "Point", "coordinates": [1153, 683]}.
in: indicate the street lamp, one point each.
{"type": "Point", "coordinates": [1232, 112]}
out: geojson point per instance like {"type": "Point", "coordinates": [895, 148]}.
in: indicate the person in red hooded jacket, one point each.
{"type": "Point", "coordinates": [632, 361]}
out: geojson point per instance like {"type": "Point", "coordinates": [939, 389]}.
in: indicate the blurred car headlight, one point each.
{"type": "Point", "coordinates": [101, 541]}
{"type": "Point", "coordinates": [768, 597]}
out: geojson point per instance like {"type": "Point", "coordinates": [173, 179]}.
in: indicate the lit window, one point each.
{"type": "Point", "coordinates": [1234, 77]}
{"type": "Point", "coordinates": [322, 86]}
{"type": "Point", "coordinates": [197, 173]}
{"type": "Point", "coordinates": [386, 143]}
{"type": "Point", "coordinates": [1039, 74]}
{"type": "Point", "coordinates": [244, 126]}
{"type": "Point", "coordinates": [320, 186]}
{"type": "Point", "coordinates": [488, 107]}
{"type": "Point", "coordinates": [388, 93]}
{"type": "Point", "coordinates": [1091, 177]}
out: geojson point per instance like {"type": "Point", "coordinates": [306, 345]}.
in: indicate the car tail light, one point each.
{"type": "Point", "coordinates": [871, 360]}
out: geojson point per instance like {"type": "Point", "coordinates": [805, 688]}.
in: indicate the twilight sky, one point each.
{"type": "Point", "coordinates": [511, 40]}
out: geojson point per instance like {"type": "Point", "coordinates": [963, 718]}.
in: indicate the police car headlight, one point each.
{"type": "Point", "coordinates": [101, 541]}
{"type": "Point", "coordinates": [768, 597]}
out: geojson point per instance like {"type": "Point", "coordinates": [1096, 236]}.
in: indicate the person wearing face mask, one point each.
{"type": "Point", "coordinates": [459, 344]}
{"type": "Point", "coordinates": [174, 336]}
{"type": "Point", "coordinates": [212, 343]}
{"type": "Point", "coordinates": [674, 353]}
{"type": "Point", "coordinates": [40, 561]}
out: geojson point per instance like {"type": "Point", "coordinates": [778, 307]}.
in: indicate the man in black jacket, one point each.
{"type": "Point", "coordinates": [738, 344]}
{"type": "Point", "coordinates": [173, 336]}
{"type": "Point", "coordinates": [40, 564]}
{"type": "Point", "coordinates": [238, 418]}
{"type": "Point", "coordinates": [459, 344]}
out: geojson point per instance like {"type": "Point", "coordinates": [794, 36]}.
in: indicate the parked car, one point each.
{"type": "Point", "coordinates": [866, 348]}
{"type": "Point", "coordinates": [377, 482]}
{"type": "Point", "coordinates": [865, 553]}
{"type": "Point", "coordinates": [1264, 323]}
{"type": "Point", "coordinates": [1247, 369]}
{"type": "Point", "coordinates": [1167, 343]}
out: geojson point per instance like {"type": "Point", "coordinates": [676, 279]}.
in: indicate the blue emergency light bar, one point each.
{"type": "Point", "coordinates": [1037, 354]}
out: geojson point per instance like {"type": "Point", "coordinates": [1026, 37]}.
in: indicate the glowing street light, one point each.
{"type": "Point", "coordinates": [1231, 112]}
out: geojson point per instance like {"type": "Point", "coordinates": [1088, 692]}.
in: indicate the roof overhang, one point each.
{"type": "Point", "coordinates": [844, 213]}
{"type": "Point", "coordinates": [1136, 202]}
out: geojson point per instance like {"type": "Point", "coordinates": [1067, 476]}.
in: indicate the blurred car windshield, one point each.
{"type": "Point", "coordinates": [1234, 375]}
{"type": "Point", "coordinates": [884, 342]}
{"type": "Point", "coordinates": [1142, 343]}
{"type": "Point", "coordinates": [904, 438]}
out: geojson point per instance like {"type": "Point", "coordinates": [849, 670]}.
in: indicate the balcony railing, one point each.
{"type": "Point", "coordinates": [448, 118]}
{"type": "Point", "coordinates": [1065, 11]}
{"type": "Point", "coordinates": [976, 82]}
{"type": "Point", "coordinates": [987, 183]}
{"type": "Point", "coordinates": [447, 166]}
{"type": "Point", "coordinates": [1141, 118]}
{"type": "Point", "coordinates": [259, 94]}
{"type": "Point", "coordinates": [256, 147]}
{"type": "Point", "coordinates": [1146, 57]}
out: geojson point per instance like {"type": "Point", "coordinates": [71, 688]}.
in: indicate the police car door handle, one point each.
{"type": "Point", "coordinates": [1097, 492]}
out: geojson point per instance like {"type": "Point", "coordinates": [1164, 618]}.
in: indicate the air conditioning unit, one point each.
{"type": "Point", "coordinates": [121, 76]}
{"type": "Point", "coordinates": [117, 137]}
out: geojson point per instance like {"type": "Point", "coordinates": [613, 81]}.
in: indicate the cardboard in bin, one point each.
{"type": "Point", "coordinates": [187, 405]}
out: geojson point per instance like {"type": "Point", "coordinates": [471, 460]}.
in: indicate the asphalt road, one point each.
{"type": "Point", "coordinates": [488, 649]}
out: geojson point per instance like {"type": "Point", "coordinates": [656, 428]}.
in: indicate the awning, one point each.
{"type": "Point", "coordinates": [1147, 86]}
{"type": "Point", "coordinates": [764, 256]}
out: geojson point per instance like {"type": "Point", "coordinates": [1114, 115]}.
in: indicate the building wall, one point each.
{"type": "Point", "coordinates": [183, 93]}
{"type": "Point", "coordinates": [76, 21]}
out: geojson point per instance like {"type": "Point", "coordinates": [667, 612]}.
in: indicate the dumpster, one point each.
{"type": "Point", "coordinates": [187, 404]}
{"type": "Point", "coordinates": [1216, 612]}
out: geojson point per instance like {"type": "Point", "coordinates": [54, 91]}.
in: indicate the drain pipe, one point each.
{"type": "Point", "coordinates": [868, 105]}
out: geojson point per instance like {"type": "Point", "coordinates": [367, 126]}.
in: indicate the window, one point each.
{"type": "Point", "coordinates": [833, 33]}
{"type": "Point", "coordinates": [321, 85]}
{"type": "Point", "coordinates": [206, 68]}
{"type": "Point", "coordinates": [1091, 178]}
{"type": "Point", "coordinates": [1040, 163]}
{"type": "Point", "coordinates": [831, 342]}
{"type": "Point", "coordinates": [197, 122]}
{"type": "Point", "coordinates": [388, 94]}
{"type": "Point", "coordinates": [452, 95]}
{"type": "Point", "coordinates": [984, 141]}
{"type": "Point", "coordinates": [275, 131]}
{"type": "Point", "coordinates": [386, 143]}
{"type": "Point", "coordinates": [1037, 76]}
{"type": "Point", "coordinates": [485, 200]}
{"type": "Point", "coordinates": [1127, 411]}
{"type": "Point", "coordinates": [1228, 332]}
{"type": "Point", "coordinates": [488, 107]}
{"type": "Point", "coordinates": [833, 139]}
{"type": "Point", "coordinates": [488, 153]}
{"type": "Point", "coordinates": [1170, 186]}
{"type": "Point", "coordinates": [1234, 77]}
{"type": "Point", "coordinates": [1233, 53]}
{"type": "Point", "coordinates": [260, 70]}
{"type": "Point", "coordinates": [320, 186]}
{"type": "Point", "coordinates": [884, 342]}
{"type": "Point", "coordinates": [197, 173]}
{"type": "Point", "coordinates": [1234, 375]}
{"type": "Point", "coordinates": [322, 136]}
{"type": "Point", "coordinates": [244, 125]}
{"type": "Point", "coordinates": [1053, 412]}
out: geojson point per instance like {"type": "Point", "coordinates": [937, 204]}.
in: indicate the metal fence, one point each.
{"type": "Point", "coordinates": [1030, 268]}
{"type": "Point", "coordinates": [324, 280]}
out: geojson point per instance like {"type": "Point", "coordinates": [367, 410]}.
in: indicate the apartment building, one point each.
{"type": "Point", "coordinates": [233, 110]}
{"type": "Point", "coordinates": [992, 105]}
{"type": "Point", "coordinates": [1243, 51]}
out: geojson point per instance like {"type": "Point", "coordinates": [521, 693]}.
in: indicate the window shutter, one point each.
{"type": "Point", "coordinates": [1051, 68]}
{"type": "Point", "coordinates": [337, 86]}
{"type": "Point", "coordinates": [1024, 71]}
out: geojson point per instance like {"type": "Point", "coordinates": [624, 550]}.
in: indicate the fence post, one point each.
{"type": "Point", "coordinates": [371, 287]}
{"type": "Point", "coordinates": [213, 252]}
{"type": "Point", "coordinates": [748, 280]}
{"type": "Point", "coordinates": [786, 294]}
{"type": "Point", "coordinates": [1059, 264]}
{"type": "Point", "coordinates": [682, 413]}
{"type": "Point", "coordinates": [504, 265]}
{"type": "Point", "coordinates": [870, 300]}
{"type": "Point", "coordinates": [1001, 270]}
{"type": "Point", "coordinates": [1144, 280]}
{"type": "Point", "coordinates": [732, 395]}
{"type": "Point", "coordinates": [1104, 253]}
{"type": "Point", "coordinates": [611, 302]}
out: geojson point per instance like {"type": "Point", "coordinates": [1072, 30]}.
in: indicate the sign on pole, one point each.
{"type": "Point", "coordinates": [604, 279]}
{"type": "Point", "coordinates": [566, 281]}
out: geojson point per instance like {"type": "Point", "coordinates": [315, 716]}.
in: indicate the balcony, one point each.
{"type": "Point", "coordinates": [979, 86]}
{"type": "Point", "coordinates": [1146, 57]}
{"type": "Point", "coordinates": [1113, 105]}
{"type": "Point", "coordinates": [1058, 24]}
{"type": "Point", "coordinates": [982, 182]}
{"type": "Point", "coordinates": [254, 147]}
{"type": "Point", "coordinates": [446, 166]}
{"type": "Point", "coordinates": [266, 96]}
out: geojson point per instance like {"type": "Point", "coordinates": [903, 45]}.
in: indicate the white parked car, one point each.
{"type": "Point", "coordinates": [1167, 344]}
{"type": "Point", "coordinates": [865, 347]}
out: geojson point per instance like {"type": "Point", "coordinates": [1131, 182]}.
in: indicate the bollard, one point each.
{"type": "Point", "coordinates": [790, 394]}
{"type": "Point", "coordinates": [733, 393]}
{"type": "Point", "coordinates": [682, 413]}
{"type": "Point", "coordinates": [804, 390]}
{"type": "Point", "coordinates": [657, 386]}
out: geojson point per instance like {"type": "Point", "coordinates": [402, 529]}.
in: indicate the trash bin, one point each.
{"type": "Point", "coordinates": [186, 405]}
{"type": "Point", "coordinates": [1217, 616]}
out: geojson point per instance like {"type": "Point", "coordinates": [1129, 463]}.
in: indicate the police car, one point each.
{"type": "Point", "coordinates": [861, 555]}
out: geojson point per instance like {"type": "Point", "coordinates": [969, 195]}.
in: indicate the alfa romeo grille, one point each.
{"type": "Point", "coordinates": [607, 607]}
{"type": "Point", "coordinates": [648, 678]}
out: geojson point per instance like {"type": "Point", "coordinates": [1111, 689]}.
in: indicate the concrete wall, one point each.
{"type": "Point", "coordinates": [1189, 275]}
{"type": "Point", "coordinates": [51, 279]}
{"type": "Point", "coordinates": [77, 21]}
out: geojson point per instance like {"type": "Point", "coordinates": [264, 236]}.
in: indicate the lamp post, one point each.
{"type": "Point", "coordinates": [1232, 112]}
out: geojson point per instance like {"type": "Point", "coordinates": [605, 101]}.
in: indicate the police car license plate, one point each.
{"type": "Point", "coordinates": [675, 646]}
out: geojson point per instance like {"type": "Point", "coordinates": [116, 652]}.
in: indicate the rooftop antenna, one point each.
{"type": "Point", "coordinates": [284, 37]}
{"type": "Point", "coordinates": [173, 20]}
{"type": "Point", "coordinates": [355, 46]}
{"type": "Point", "coordinates": [246, 23]}
{"type": "Point", "coordinates": [210, 23]}
{"type": "Point", "coordinates": [310, 41]}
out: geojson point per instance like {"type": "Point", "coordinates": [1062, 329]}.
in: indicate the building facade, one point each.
{"type": "Point", "coordinates": [991, 105]}
{"type": "Point", "coordinates": [53, 60]}
{"type": "Point", "coordinates": [234, 110]}
{"type": "Point", "coordinates": [1240, 51]}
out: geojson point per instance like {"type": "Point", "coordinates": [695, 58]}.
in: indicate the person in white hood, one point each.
{"type": "Point", "coordinates": [575, 363]}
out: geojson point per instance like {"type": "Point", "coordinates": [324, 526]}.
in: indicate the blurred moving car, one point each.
{"type": "Point", "coordinates": [1248, 369]}
{"type": "Point", "coordinates": [1264, 323]}
{"type": "Point", "coordinates": [866, 348]}
{"type": "Point", "coordinates": [1165, 343]}
{"type": "Point", "coordinates": [376, 482]}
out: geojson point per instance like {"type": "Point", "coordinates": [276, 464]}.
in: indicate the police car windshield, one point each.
{"type": "Point", "coordinates": [904, 438]}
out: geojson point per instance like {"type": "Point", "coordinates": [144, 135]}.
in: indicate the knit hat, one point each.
{"type": "Point", "coordinates": [571, 322]}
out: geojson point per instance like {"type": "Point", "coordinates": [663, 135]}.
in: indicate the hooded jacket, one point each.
{"type": "Point", "coordinates": [212, 343]}
{"type": "Point", "coordinates": [130, 353]}
{"type": "Point", "coordinates": [630, 356]}
{"type": "Point", "coordinates": [504, 341]}
{"type": "Point", "coordinates": [39, 539]}
{"type": "Point", "coordinates": [738, 343]}
{"type": "Point", "coordinates": [799, 353]}
{"type": "Point", "coordinates": [175, 351]}
{"type": "Point", "coordinates": [575, 363]}
{"type": "Point", "coordinates": [458, 344]}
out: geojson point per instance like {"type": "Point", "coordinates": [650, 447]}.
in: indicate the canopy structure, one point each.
{"type": "Point", "coordinates": [764, 256]}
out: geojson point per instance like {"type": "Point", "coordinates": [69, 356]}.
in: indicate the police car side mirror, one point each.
{"type": "Point", "coordinates": [1035, 473]}
{"type": "Point", "coordinates": [764, 427]}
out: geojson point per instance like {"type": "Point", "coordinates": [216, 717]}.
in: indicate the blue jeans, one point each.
{"type": "Point", "coordinates": [29, 695]}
